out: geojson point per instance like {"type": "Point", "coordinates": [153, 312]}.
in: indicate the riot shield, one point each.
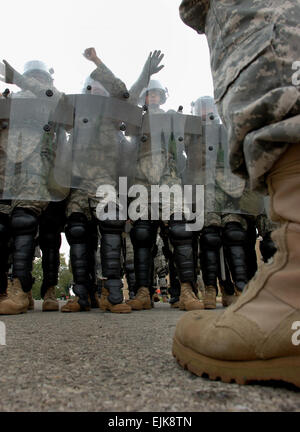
{"type": "Point", "coordinates": [225, 192]}
{"type": "Point", "coordinates": [32, 131]}
{"type": "Point", "coordinates": [102, 141]}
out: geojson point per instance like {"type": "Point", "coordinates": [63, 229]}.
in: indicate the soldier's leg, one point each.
{"type": "Point", "coordinates": [76, 232]}
{"type": "Point", "coordinates": [182, 241]}
{"type": "Point", "coordinates": [5, 234]}
{"type": "Point", "coordinates": [129, 266]}
{"type": "Point", "coordinates": [78, 215]}
{"type": "Point", "coordinates": [50, 228]}
{"type": "Point", "coordinates": [93, 239]}
{"type": "Point", "coordinates": [24, 227]}
{"type": "Point", "coordinates": [234, 240]}
{"type": "Point", "coordinates": [143, 236]}
{"type": "Point", "coordinates": [210, 244]}
{"type": "Point", "coordinates": [110, 249]}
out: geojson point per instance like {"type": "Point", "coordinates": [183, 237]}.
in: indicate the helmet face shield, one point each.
{"type": "Point", "coordinates": [38, 70]}
{"type": "Point", "coordinates": [155, 87]}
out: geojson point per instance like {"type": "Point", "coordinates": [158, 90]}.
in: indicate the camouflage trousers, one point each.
{"type": "Point", "coordinates": [261, 107]}
{"type": "Point", "coordinates": [159, 170]}
{"type": "Point", "coordinates": [220, 220]}
{"type": "Point", "coordinates": [78, 202]}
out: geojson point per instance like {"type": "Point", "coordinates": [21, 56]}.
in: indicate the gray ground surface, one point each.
{"type": "Point", "coordinates": [98, 361]}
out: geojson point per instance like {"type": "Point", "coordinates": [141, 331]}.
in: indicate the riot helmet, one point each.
{"type": "Point", "coordinates": [205, 107]}
{"type": "Point", "coordinates": [94, 87]}
{"type": "Point", "coordinates": [38, 69]}
{"type": "Point", "coordinates": [154, 87]}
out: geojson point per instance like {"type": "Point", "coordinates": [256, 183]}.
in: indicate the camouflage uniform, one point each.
{"type": "Point", "coordinates": [157, 168]}
{"type": "Point", "coordinates": [263, 116]}
{"type": "Point", "coordinates": [253, 45]}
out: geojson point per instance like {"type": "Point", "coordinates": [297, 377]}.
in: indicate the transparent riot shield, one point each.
{"type": "Point", "coordinates": [103, 141]}
{"type": "Point", "coordinates": [225, 192]}
{"type": "Point", "coordinates": [33, 129]}
{"type": "Point", "coordinates": [190, 135]}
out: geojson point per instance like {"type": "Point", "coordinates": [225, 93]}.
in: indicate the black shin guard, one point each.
{"type": "Point", "coordinates": [24, 225]}
{"type": "Point", "coordinates": [143, 236]}
{"type": "Point", "coordinates": [130, 277]}
{"type": "Point", "coordinates": [182, 241]}
{"type": "Point", "coordinates": [210, 244]}
{"type": "Point", "coordinates": [234, 238]}
{"type": "Point", "coordinates": [76, 233]}
{"type": "Point", "coordinates": [111, 244]}
{"type": "Point", "coordinates": [50, 242]}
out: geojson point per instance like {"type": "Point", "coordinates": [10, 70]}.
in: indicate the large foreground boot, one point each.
{"type": "Point", "coordinates": [188, 300]}
{"type": "Point", "coordinates": [142, 300]}
{"type": "Point", "coordinates": [256, 338]}
{"type": "Point", "coordinates": [50, 302]}
{"type": "Point", "coordinates": [16, 300]}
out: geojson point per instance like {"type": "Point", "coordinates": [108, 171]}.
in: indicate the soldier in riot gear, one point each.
{"type": "Point", "coordinates": [26, 212]}
{"type": "Point", "coordinates": [226, 227]}
{"type": "Point", "coordinates": [50, 227]}
{"type": "Point", "coordinates": [103, 171]}
{"type": "Point", "coordinates": [157, 165]}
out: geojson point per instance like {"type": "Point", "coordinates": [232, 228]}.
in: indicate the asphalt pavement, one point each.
{"type": "Point", "coordinates": [95, 361]}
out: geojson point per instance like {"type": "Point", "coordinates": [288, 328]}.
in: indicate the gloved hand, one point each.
{"type": "Point", "coordinates": [152, 62]}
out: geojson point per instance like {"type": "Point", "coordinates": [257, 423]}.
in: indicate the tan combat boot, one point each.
{"type": "Point", "coordinates": [103, 297]}
{"type": "Point", "coordinates": [31, 301]}
{"type": "Point", "coordinates": [188, 300]}
{"type": "Point", "coordinates": [227, 299]}
{"type": "Point", "coordinates": [114, 308]}
{"type": "Point", "coordinates": [16, 300]}
{"type": "Point", "coordinates": [50, 302]}
{"type": "Point", "coordinates": [73, 306]}
{"type": "Point", "coordinates": [210, 297]}
{"type": "Point", "coordinates": [257, 338]}
{"type": "Point", "coordinates": [142, 300]}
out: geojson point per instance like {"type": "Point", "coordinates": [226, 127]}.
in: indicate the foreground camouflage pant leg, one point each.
{"type": "Point", "coordinates": [255, 339]}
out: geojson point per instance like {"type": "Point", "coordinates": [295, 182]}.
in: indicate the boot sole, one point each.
{"type": "Point", "coordinates": [242, 372]}
{"type": "Point", "coordinates": [15, 313]}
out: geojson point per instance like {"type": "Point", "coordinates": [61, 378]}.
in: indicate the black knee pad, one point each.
{"type": "Point", "coordinates": [24, 225]}
{"type": "Point", "coordinates": [143, 234]}
{"type": "Point", "coordinates": [182, 240]}
{"type": "Point", "coordinates": [179, 234]}
{"type": "Point", "coordinates": [76, 229]}
{"type": "Point", "coordinates": [112, 226]}
{"type": "Point", "coordinates": [24, 221]}
{"type": "Point", "coordinates": [234, 234]}
{"type": "Point", "coordinates": [210, 238]}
